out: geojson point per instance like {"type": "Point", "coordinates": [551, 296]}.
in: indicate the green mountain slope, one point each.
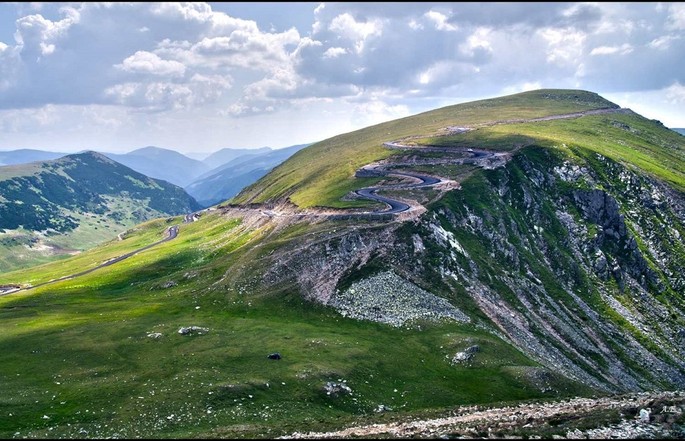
{"type": "Point", "coordinates": [322, 173]}
{"type": "Point", "coordinates": [68, 204]}
{"type": "Point", "coordinates": [552, 269]}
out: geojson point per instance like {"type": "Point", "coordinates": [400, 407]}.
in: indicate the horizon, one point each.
{"type": "Point", "coordinates": [200, 77]}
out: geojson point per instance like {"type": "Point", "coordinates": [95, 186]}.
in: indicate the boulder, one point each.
{"type": "Point", "coordinates": [193, 330]}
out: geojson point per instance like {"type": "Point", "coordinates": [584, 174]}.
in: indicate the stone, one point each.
{"type": "Point", "coordinates": [274, 356]}
{"type": "Point", "coordinates": [644, 415]}
{"type": "Point", "coordinates": [335, 389]}
{"type": "Point", "coordinates": [193, 330]}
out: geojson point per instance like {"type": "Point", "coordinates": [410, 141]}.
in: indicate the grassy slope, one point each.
{"type": "Point", "coordinates": [321, 174]}
{"type": "Point", "coordinates": [76, 351]}
{"type": "Point", "coordinates": [627, 138]}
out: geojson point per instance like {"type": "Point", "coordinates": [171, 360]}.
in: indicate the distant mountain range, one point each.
{"type": "Point", "coordinates": [160, 163]}
{"type": "Point", "coordinates": [681, 131]}
{"type": "Point", "coordinates": [72, 203]}
{"type": "Point", "coordinates": [223, 156]}
{"type": "Point", "coordinates": [23, 156]}
{"type": "Point", "coordinates": [218, 177]}
{"type": "Point", "coordinates": [227, 180]}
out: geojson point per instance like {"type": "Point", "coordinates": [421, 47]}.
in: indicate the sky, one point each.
{"type": "Point", "coordinates": [199, 77]}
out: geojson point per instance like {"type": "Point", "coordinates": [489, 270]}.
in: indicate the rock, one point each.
{"type": "Point", "coordinates": [465, 355]}
{"type": "Point", "coordinates": [336, 389]}
{"type": "Point", "coordinates": [193, 330]}
{"type": "Point", "coordinates": [644, 415]}
{"type": "Point", "coordinates": [461, 357]}
{"type": "Point", "coordinates": [274, 356]}
{"type": "Point", "coordinates": [382, 408]}
{"type": "Point", "coordinates": [472, 349]}
{"type": "Point", "coordinates": [169, 284]}
{"type": "Point", "coordinates": [154, 335]}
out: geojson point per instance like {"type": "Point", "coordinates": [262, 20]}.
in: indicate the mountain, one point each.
{"type": "Point", "coordinates": [681, 131]}
{"type": "Point", "coordinates": [226, 155]}
{"type": "Point", "coordinates": [66, 205]}
{"type": "Point", "coordinates": [22, 156]}
{"type": "Point", "coordinates": [227, 180]}
{"type": "Point", "coordinates": [499, 253]}
{"type": "Point", "coordinates": [160, 163]}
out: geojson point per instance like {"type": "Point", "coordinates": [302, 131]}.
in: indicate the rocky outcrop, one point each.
{"type": "Point", "coordinates": [575, 264]}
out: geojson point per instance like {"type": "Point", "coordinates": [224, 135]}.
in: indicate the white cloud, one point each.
{"type": "Point", "coordinates": [377, 111]}
{"type": "Point", "coordinates": [35, 31]}
{"type": "Point", "coordinates": [478, 40]}
{"type": "Point", "coordinates": [147, 62]}
{"type": "Point", "coordinates": [345, 25]}
{"type": "Point", "coordinates": [333, 52]}
{"type": "Point", "coordinates": [608, 50]}
{"type": "Point", "coordinates": [564, 46]}
{"type": "Point", "coordinates": [510, 90]}
{"type": "Point", "coordinates": [415, 25]}
{"type": "Point", "coordinates": [676, 16]}
{"type": "Point", "coordinates": [675, 93]}
{"type": "Point", "coordinates": [663, 42]}
{"type": "Point", "coordinates": [440, 21]}
{"type": "Point", "coordinates": [158, 96]}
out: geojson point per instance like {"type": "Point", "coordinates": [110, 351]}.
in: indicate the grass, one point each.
{"type": "Point", "coordinates": [322, 173]}
{"type": "Point", "coordinates": [645, 144]}
{"type": "Point", "coordinates": [93, 229]}
{"type": "Point", "coordinates": [77, 351]}
{"type": "Point", "coordinates": [78, 361]}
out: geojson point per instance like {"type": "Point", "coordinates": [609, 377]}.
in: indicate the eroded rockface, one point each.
{"type": "Point", "coordinates": [579, 263]}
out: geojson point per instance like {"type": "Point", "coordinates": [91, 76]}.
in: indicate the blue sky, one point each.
{"type": "Point", "coordinates": [198, 77]}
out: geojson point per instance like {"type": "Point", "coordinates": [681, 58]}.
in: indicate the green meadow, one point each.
{"type": "Point", "coordinates": [78, 361]}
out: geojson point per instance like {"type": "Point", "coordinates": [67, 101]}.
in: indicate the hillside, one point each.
{"type": "Point", "coordinates": [324, 172]}
{"type": "Point", "coordinates": [227, 180]}
{"type": "Point", "coordinates": [63, 206]}
{"type": "Point", "coordinates": [532, 252]}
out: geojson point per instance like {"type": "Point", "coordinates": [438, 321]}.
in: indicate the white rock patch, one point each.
{"type": "Point", "coordinates": [388, 298]}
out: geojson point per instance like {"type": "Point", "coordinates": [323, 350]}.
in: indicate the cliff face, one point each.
{"type": "Point", "coordinates": [578, 263]}
{"type": "Point", "coordinates": [577, 260]}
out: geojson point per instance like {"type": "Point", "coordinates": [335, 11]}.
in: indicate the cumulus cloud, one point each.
{"type": "Point", "coordinates": [36, 34]}
{"type": "Point", "coordinates": [676, 16]}
{"type": "Point", "coordinates": [675, 93]}
{"type": "Point", "coordinates": [147, 62]}
{"type": "Point", "coordinates": [374, 59]}
{"type": "Point", "coordinates": [358, 32]}
{"type": "Point", "coordinates": [440, 20]}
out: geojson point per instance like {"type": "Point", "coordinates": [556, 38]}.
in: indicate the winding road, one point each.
{"type": "Point", "coordinates": [395, 205]}
{"type": "Point", "coordinates": [467, 156]}
{"type": "Point", "coordinates": [171, 233]}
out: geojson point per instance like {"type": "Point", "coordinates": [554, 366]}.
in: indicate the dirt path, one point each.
{"type": "Point", "coordinates": [642, 412]}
